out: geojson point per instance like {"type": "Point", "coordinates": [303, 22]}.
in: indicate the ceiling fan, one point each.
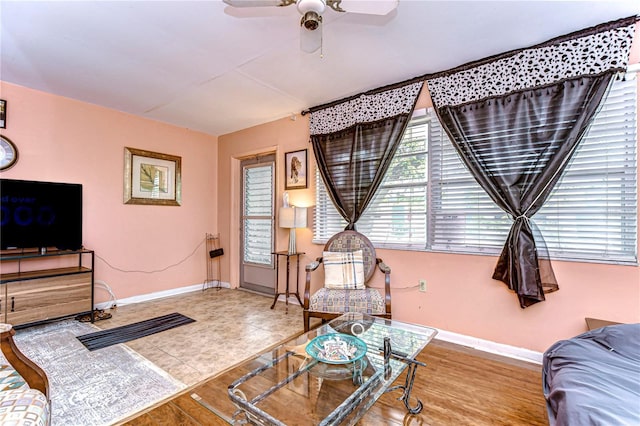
{"type": "Point", "coordinates": [312, 10]}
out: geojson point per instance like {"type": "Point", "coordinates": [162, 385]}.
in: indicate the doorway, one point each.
{"type": "Point", "coordinates": [257, 223]}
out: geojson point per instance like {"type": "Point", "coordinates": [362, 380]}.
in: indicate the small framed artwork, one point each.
{"type": "Point", "coordinates": [295, 165]}
{"type": "Point", "coordinates": [3, 114]}
{"type": "Point", "coordinates": [152, 178]}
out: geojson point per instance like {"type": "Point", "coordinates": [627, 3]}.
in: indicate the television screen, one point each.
{"type": "Point", "coordinates": [40, 214]}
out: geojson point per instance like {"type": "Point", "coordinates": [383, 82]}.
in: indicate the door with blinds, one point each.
{"type": "Point", "coordinates": [258, 217]}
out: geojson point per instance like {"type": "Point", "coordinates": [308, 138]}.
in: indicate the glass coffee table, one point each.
{"type": "Point", "coordinates": [301, 380]}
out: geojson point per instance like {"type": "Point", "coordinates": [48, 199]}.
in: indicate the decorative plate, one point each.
{"type": "Point", "coordinates": [336, 348]}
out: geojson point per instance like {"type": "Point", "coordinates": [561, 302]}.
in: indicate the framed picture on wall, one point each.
{"type": "Point", "coordinates": [3, 114]}
{"type": "Point", "coordinates": [152, 178]}
{"type": "Point", "coordinates": [295, 166]}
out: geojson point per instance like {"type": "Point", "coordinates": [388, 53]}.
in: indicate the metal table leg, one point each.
{"type": "Point", "coordinates": [408, 384]}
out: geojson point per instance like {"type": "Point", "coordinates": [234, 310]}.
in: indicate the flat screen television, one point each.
{"type": "Point", "coordinates": [40, 214]}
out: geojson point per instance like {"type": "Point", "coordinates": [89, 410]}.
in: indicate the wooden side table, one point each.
{"type": "Point", "coordinates": [286, 293]}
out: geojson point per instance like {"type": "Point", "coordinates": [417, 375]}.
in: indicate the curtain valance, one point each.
{"type": "Point", "coordinates": [365, 108]}
{"type": "Point", "coordinates": [591, 54]}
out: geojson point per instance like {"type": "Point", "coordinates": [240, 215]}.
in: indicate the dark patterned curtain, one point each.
{"type": "Point", "coordinates": [354, 142]}
{"type": "Point", "coordinates": [517, 119]}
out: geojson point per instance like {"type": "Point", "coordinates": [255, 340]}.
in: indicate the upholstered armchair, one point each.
{"type": "Point", "coordinates": [349, 261]}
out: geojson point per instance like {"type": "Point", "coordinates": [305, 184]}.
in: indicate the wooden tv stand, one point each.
{"type": "Point", "coordinates": [38, 286]}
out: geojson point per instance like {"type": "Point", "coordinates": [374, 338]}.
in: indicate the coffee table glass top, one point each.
{"type": "Point", "coordinates": [286, 385]}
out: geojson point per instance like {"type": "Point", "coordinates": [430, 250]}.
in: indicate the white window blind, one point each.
{"type": "Point", "coordinates": [591, 214]}
{"type": "Point", "coordinates": [462, 217]}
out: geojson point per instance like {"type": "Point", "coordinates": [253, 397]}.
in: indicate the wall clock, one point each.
{"type": "Point", "coordinates": [8, 153]}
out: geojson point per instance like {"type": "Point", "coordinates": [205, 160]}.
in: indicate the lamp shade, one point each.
{"type": "Point", "coordinates": [293, 217]}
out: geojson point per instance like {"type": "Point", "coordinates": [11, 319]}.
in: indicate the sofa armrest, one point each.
{"type": "Point", "coordinates": [35, 376]}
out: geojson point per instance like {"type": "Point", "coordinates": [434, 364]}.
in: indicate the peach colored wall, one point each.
{"type": "Point", "coordinates": [461, 297]}
{"type": "Point", "coordinates": [63, 140]}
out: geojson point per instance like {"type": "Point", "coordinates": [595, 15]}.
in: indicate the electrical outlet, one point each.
{"type": "Point", "coordinates": [423, 285]}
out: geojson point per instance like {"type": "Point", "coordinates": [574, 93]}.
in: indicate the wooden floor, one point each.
{"type": "Point", "coordinates": [459, 386]}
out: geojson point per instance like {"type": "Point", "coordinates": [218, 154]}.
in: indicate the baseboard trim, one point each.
{"type": "Point", "coordinates": [216, 284]}
{"type": "Point", "coordinates": [515, 352]}
{"type": "Point", "coordinates": [447, 336]}
{"type": "Point", "coordinates": [161, 294]}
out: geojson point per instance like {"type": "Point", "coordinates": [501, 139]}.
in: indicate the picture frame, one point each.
{"type": "Point", "coordinates": [3, 114]}
{"type": "Point", "coordinates": [152, 178]}
{"type": "Point", "coordinates": [295, 167]}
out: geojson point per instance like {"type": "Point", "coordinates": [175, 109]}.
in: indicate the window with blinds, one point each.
{"type": "Point", "coordinates": [257, 214]}
{"type": "Point", "coordinates": [429, 200]}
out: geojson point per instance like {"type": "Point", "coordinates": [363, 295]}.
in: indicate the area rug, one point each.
{"type": "Point", "coordinates": [93, 388]}
{"type": "Point", "coordinates": [125, 333]}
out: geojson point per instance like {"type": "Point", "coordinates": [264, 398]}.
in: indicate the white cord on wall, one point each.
{"type": "Point", "coordinates": [105, 286]}
{"type": "Point", "coordinates": [155, 270]}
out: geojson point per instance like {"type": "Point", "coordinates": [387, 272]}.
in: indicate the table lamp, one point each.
{"type": "Point", "coordinates": [292, 218]}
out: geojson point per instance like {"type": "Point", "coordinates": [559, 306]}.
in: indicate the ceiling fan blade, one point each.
{"type": "Point", "coordinates": [369, 7]}
{"type": "Point", "coordinates": [258, 3]}
{"type": "Point", "coordinates": [310, 40]}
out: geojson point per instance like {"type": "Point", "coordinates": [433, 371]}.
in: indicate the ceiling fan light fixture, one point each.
{"type": "Point", "coordinates": [311, 21]}
{"type": "Point", "coordinates": [312, 10]}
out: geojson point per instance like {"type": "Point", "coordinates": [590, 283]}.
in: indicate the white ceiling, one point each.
{"type": "Point", "coordinates": [206, 66]}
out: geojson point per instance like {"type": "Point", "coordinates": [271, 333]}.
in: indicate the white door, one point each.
{"type": "Point", "coordinates": [258, 220]}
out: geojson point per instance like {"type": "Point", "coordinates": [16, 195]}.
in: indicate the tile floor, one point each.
{"type": "Point", "coordinates": [230, 326]}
